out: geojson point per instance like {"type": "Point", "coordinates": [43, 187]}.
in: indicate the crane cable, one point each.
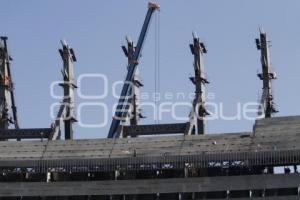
{"type": "Point", "coordinates": [157, 68]}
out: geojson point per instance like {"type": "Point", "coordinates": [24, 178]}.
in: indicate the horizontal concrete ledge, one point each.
{"type": "Point", "coordinates": [151, 186]}
{"type": "Point", "coordinates": [266, 198]}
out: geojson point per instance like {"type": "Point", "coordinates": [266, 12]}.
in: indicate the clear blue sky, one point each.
{"type": "Point", "coordinates": [96, 30]}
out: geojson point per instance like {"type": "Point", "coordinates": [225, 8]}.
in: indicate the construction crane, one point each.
{"type": "Point", "coordinates": [121, 109]}
{"type": "Point", "coordinates": [8, 110]}
{"type": "Point", "coordinates": [267, 107]}
{"type": "Point", "coordinates": [196, 122]}
{"type": "Point", "coordinates": [66, 112]}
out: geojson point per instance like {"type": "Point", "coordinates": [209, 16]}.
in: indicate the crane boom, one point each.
{"type": "Point", "coordinates": [119, 113]}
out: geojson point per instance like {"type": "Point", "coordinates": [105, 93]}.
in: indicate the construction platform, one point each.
{"type": "Point", "coordinates": [213, 165]}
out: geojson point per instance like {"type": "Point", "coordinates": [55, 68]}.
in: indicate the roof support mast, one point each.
{"type": "Point", "coordinates": [68, 57]}
{"type": "Point", "coordinates": [196, 123]}
{"type": "Point", "coordinates": [120, 110]}
{"type": "Point", "coordinates": [8, 110]}
{"type": "Point", "coordinates": [66, 112]}
{"type": "Point", "coordinates": [266, 105]}
{"type": "Point", "coordinates": [135, 114]}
